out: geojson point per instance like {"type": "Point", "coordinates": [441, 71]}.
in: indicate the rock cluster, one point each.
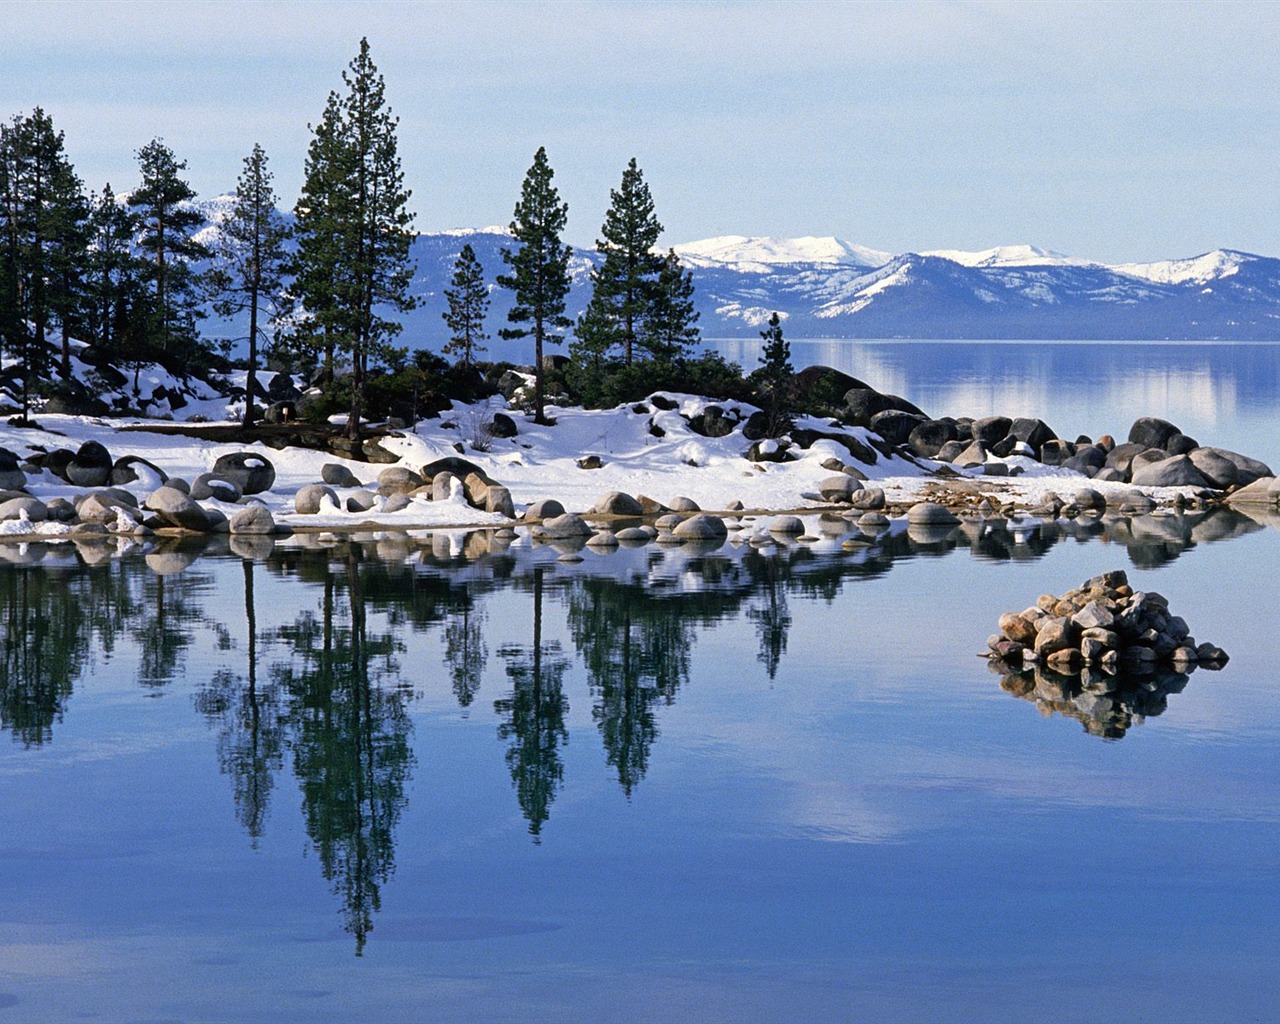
{"type": "Point", "coordinates": [107, 504]}
{"type": "Point", "coordinates": [1103, 624]}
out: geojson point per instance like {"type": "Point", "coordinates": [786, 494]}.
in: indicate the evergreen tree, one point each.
{"type": "Point", "coordinates": [623, 286]}
{"type": "Point", "coordinates": [539, 267]}
{"type": "Point", "coordinates": [773, 378]}
{"type": "Point", "coordinates": [670, 329]}
{"type": "Point", "coordinates": [167, 237]}
{"type": "Point", "coordinates": [44, 217]}
{"type": "Point", "coordinates": [251, 258]}
{"type": "Point", "coordinates": [468, 303]}
{"type": "Point", "coordinates": [354, 231]}
{"type": "Point", "coordinates": [117, 299]}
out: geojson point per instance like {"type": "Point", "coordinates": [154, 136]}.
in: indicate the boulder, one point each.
{"type": "Point", "coordinates": [1121, 457]}
{"type": "Point", "coordinates": [564, 527]}
{"type": "Point", "coordinates": [1180, 444]}
{"type": "Point", "coordinates": [838, 488]}
{"type": "Point", "coordinates": [1219, 471]}
{"type": "Point", "coordinates": [309, 497]}
{"type": "Point", "coordinates": [33, 508]}
{"type": "Point", "coordinates": [547, 508]}
{"type": "Point", "coordinates": [787, 525]}
{"type": "Point", "coordinates": [337, 475]}
{"type": "Point", "coordinates": [176, 509]}
{"type": "Point", "coordinates": [1178, 471]}
{"type": "Point", "coordinates": [441, 486]}
{"type": "Point", "coordinates": [974, 455]}
{"type": "Point", "coordinates": [1151, 432]}
{"type": "Point", "coordinates": [1263, 491]}
{"type": "Point", "coordinates": [926, 439]}
{"type": "Point", "coordinates": [895, 426]}
{"type": "Point", "coordinates": [100, 508]}
{"type": "Point", "coordinates": [399, 480]}
{"type": "Point", "coordinates": [253, 472]}
{"type": "Point", "coordinates": [701, 527]}
{"type": "Point", "coordinates": [206, 485]}
{"type": "Point", "coordinates": [1247, 469]}
{"type": "Point", "coordinates": [712, 422]}
{"type": "Point", "coordinates": [861, 404]}
{"type": "Point", "coordinates": [1031, 431]}
{"type": "Point", "coordinates": [990, 429]}
{"type": "Point", "coordinates": [928, 513]}
{"type": "Point", "coordinates": [617, 503]}
{"type": "Point", "coordinates": [1055, 452]}
{"type": "Point", "coordinates": [952, 450]}
{"type": "Point", "coordinates": [498, 499]}
{"type": "Point", "coordinates": [361, 501]}
{"type": "Point", "coordinates": [90, 466]}
{"type": "Point", "coordinates": [252, 519]}
{"type": "Point", "coordinates": [396, 503]}
{"type": "Point", "coordinates": [133, 469]}
{"type": "Point", "coordinates": [678, 504]}
{"type": "Point", "coordinates": [868, 499]}
{"type": "Point", "coordinates": [502, 425]}
{"type": "Point", "coordinates": [769, 450]}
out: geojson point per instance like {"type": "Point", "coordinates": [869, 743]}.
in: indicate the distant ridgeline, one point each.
{"type": "Point", "coordinates": [824, 288]}
{"type": "Point", "coordinates": [828, 288]}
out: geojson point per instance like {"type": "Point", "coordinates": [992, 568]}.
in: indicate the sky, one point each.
{"type": "Point", "coordinates": [1111, 131]}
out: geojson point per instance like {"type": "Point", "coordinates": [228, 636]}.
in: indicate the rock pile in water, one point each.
{"type": "Point", "coordinates": [1105, 624]}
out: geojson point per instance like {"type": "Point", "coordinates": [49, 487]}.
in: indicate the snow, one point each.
{"type": "Point", "coordinates": [1009, 256]}
{"type": "Point", "coordinates": [1212, 266]}
{"type": "Point", "coordinates": [762, 255]}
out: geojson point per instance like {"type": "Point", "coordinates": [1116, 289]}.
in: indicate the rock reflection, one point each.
{"type": "Point", "coordinates": [1106, 705]}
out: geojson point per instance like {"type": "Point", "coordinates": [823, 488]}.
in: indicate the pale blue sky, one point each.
{"type": "Point", "coordinates": [1106, 130]}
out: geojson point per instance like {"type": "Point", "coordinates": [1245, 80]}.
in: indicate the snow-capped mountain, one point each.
{"type": "Point", "coordinates": [826, 287]}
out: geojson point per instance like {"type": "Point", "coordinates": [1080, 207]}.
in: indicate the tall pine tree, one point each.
{"type": "Point", "coordinates": [468, 303]}
{"type": "Point", "coordinates": [117, 297]}
{"type": "Point", "coordinates": [774, 377]}
{"type": "Point", "coordinates": [670, 328]}
{"type": "Point", "coordinates": [539, 268]}
{"type": "Point", "coordinates": [167, 236]}
{"type": "Point", "coordinates": [248, 275]}
{"type": "Point", "coordinates": [623, 287]}
{"type": "Point", "coordinates": [44, 216]}
{"type": "Point", "coordinates": [354, 231]}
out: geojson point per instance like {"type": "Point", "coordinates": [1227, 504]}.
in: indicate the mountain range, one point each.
{"type": "Point", "coordinates": [824, 287]}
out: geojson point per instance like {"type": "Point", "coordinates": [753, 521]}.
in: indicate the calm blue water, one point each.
{"type": "Point", "coordinates": [1226, 395]}
{"type": "Point", "coordinates": [436, 778]}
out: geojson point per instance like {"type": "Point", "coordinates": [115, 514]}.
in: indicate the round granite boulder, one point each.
{"type": "Point", "coordinates": [253, 472]}
{"type": "Point", "coordinates": [90, 466]}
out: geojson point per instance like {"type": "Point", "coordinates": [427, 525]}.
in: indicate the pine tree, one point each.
{"type": "Point", "coordinates": [251, 257]}
{"type": "Point", "coordinates": [168, 226]}
{"type": "Point", "coordinates": [670, 328]}
{"type": "Point", "coordinates": [354, 231]}
{"type": "Point", "coordinates": [539, 267]}
{"type": "Point", "coordinates": [44, 217]}
{"type": "Point", "coordinates": [623, 286]}
{"type": "Point", "coordinates": [116, 289]}
{"type": "Point", "coordinates": [468, 303]}
{"type": "Point", "coordinates": [773, 379]}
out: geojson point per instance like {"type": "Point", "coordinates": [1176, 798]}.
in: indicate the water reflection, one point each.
{"type": "Point", "coordinates": [1106, 705]}
{"type": "Point", "coordinates": [316, 649]}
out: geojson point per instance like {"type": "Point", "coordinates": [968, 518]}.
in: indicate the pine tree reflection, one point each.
{"type": "Point", "coordinates": [534, 716]}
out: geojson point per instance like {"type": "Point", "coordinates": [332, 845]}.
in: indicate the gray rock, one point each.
{"type": "Point", "coordinates": [868, 499]}
{"type": "Point", "coordinates": [895, 426]}
{"type": "Point", "coordinates": [498, 499]}
{"type": "Point", "coordinates": [1178, 471]}
{"type": "Point", "coordinates": [361, 501]}
{"type": "Point", "coordinates": [1094, 615]}
{"type": "Point", "coordinates": [133, 469]}
{"type": "Point", "coordinates": [926, 439]}
{"type": "Point", "coordinates": [206, 485]}
{"type": "Point", "coordinates": [398, 480]}
{"type": "Point", "coordinates": [1055, 634]}
{"type": "Point", "coordinates": [1087, 497]}
{"type": "Point", "coordinates": [974, 455]}
{"type": "Point", "coordinates": [100, 508]}
{"type": "Point", "coordinates": [441, 486]}
{"type": "Point", "coordinates": [634, 535]}
{"type": "Point", "coordinates": [838, 488]}
{"type": "Point", "coordinates": [90, 466]}
{"type": "Point", "coordinates": [1263, 491]}
{"type": "Point", "coordinates": [252, 519]}
{"type": "Point", "coordinates": [990, 429]}
{"type": "Point", "coordinates": [307, 501]}
{"type": "Point", "coordinates": [1218, 471]}
{"type": "Point", "coordinates": [547, 508]}
{"type": "Point", "coordinates": [60, 510]}
{"type": "Point", "coordinates": [1031, 431]}
{"type": "Point", "coordinates": [787, 525]}
{"type": "Point", "coordinates": [337, 475]}
{"type": "Point", "coordinates": [1247, 469]}
{"type": "Point", "coordinates": [928, 513]}
{"type": "Point", "coordinates": [1122, 455]}
{"type": "Point", "coordinates": [873, 521]}
{"type": "Point", "coordinates": [35, 509]}
{"type": "Point", "coordinates": [502, 425]}
{"type": "Point", "coordinates": [950, 451]}
{"type": "Point", "coordinates": [564, 527]}
{"type": "Point", "coordinates": [701, 527]}
{"type": "Point", "coordinates": [176, 509]}
{"type": "Point", "coordinates": [254, 473]}
{"type": "Point", "coordinates": [617, 503]}
{"type": "Point", "coordinates": [1151, 432]}
{"type": "Point", "coordinates": [396, 503]}
{"type": "Point", "coordinates": [682, 504]}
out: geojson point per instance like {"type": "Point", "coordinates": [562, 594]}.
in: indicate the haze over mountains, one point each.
{"type": "Point", "coordinates": [825, 287]}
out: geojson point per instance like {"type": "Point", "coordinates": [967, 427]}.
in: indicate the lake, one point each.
{"type": "Point", "coordinates": [448, 777]}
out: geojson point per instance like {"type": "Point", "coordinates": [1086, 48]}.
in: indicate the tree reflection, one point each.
{"type": "Point", "coordinates": [636, 648]}
{"type": "Point", "coordinates": [252, 737]}
{"type": "Point", "coordinates": [350, 740]}
{"type": "Point", "coordinates": [534, 714]}
{"type": "Point", "coordinates": [465, 651]}
{"type": "Point", "coordinates": [43, 647]}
